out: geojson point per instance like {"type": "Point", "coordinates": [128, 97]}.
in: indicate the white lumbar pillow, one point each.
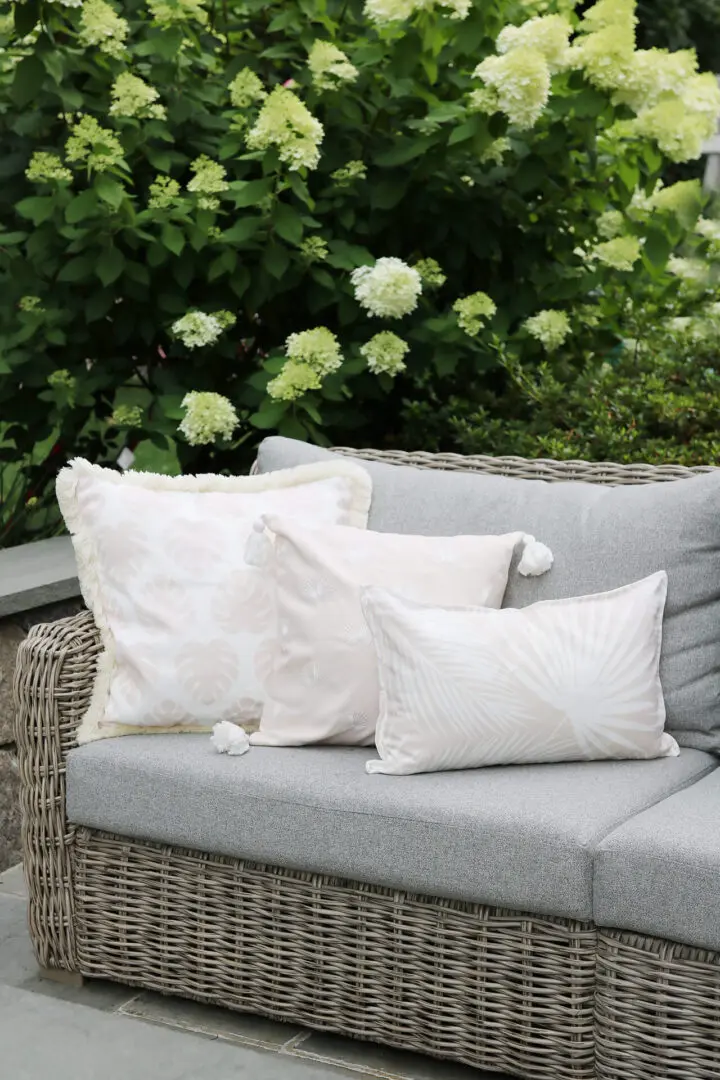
{"type": "Point", "coordinates": [321, 683]}
{"type": "Point", "coordinates": [561, 680]}
{"type": "Point", "coordinates": [186, 624]}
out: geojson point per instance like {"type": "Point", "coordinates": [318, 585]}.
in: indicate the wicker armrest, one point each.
{"type": "Point", "coordinates": [53, 683]}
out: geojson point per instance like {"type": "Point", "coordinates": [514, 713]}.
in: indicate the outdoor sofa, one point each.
{"type": "Point", "coordinates": [547, 921]}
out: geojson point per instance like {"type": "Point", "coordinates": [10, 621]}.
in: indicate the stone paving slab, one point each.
{"type": "Point", "coordinates": [35, 574]}
{"type": "Point", "coordinates": [70, 1025]}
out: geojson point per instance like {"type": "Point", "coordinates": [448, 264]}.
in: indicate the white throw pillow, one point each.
{"type": "Point", "coordinates": [561, 680]}
{"type": "Point", "coordinates": [186, 624]}
{"type": "Point", "coordinates": [322, 683]}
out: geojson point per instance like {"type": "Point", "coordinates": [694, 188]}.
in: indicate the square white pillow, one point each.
{"type": "Point", "coordinates": [186, 624]}
{"type": "Point", "coordinates": [321, 685]}
{"type": "Point", "coordinates": [561, 680]}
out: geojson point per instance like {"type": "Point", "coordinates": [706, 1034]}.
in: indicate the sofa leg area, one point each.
{"type": "Point", "coordinates": [60, 975]}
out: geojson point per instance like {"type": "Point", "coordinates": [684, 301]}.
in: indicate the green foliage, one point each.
{"type": "Point", "coordinates": [185, 202]}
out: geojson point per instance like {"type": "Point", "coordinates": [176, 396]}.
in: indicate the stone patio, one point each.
{"type": "Point", "coordinates": [104, 1029]}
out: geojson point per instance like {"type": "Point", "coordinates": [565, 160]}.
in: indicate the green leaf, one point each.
{"type": "Point", "coordinates": [531, 174]}
{"type": "Point", "coordinates": [28, 81]}
{"type": "Point", "coordinates": [26, 17]}
{"type": "Point", "coordinates": [37, 208]}
{"type": "Point", "coordinates": [387, 194]}
{"type": "Point", "coordinates": [242, 230]}
{"type": "Point", "coordinates": [287, 223]}
{"type": "Point", "coordinates": [77, 269]}
{"type": "Point", "coordinates": [403, 151]}
{"type": "Point", "coordinates": [156, 459]}
{"type": "Point", "coordinates": [173, 239]}
{"type": "Point", "coordinates": [251, 192]}
{"type": "Point", "coordinates": [81, 206]}
{"type": "Point", "coordinates": [98, 305]}
{"type": "Point", "coordinates": [269, 415]}
{"type": "Point", "coordinates": [225, 263]}
{"type": "Point", "coordinates": [110, 265]}
{"type": "Point", "coordinates": [11, 238]}
{"type": "Point", "coordinates": [276, 260]}
{"type": "Point", "coordinates": [110, 190]}
{"type": "Point", "coordinates": [657, 247]}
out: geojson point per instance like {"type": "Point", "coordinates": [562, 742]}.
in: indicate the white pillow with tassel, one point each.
{"type": "Point", "coordinates": [320, 680]}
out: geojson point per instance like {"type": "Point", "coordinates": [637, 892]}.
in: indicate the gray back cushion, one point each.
{"type": "Point", "coordinates": [602, 537]}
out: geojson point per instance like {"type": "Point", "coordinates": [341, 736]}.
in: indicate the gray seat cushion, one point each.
{"type": "Point", "coordinates": [602, 537]}
{"type": "Point", "coordinates": [520, 837]}
{"type": "Point", "coordinates": [659, 873]}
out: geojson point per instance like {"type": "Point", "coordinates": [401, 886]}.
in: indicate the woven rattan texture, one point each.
{"type": "Point", "coordinates": [657, 1011]}
{"type": "Point", "coordinates": [494, 989]}
{"type": "Point", "coordinates": [506, 992]}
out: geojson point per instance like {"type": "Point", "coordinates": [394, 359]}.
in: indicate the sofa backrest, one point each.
{"type": "Point", "coordinates": [607, 525]}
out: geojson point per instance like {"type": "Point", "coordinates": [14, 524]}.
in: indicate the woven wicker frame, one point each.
{"type": "Point", "coordinates": [531, 996]}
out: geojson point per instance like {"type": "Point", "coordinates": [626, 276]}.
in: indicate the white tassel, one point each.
{"type": "Point", "coordinates": [259, 545]}
{"type": "Point", "coordinates": [230, 739]}
{"type": "Point", "coordinates": [536, 559]}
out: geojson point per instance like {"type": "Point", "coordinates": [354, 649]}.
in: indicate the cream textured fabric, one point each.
{"type": "Point", "coordinates": [322, 685]}
{"type": "Point", "coordinates": [186, 624]}
{"type": "Point", "coordinates": [561, 680]}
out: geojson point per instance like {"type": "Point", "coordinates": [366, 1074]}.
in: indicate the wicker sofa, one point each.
{"type": "Point", "coordinates": [550, 989]}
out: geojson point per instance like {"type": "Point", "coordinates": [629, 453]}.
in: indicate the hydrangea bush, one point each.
{"type": "Point", "coordinates": [325, 217]}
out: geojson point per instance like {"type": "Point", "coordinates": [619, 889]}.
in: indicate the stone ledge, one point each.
{"type": "Point", "coordinates": [33, 575]}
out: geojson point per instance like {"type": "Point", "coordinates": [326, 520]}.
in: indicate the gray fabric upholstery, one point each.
{"type": "Point", "coordinates": [520, 837]}
{"type": "Point", "coordinates": [659, 873]}
{"type": "Point", "coordinates": [602, 537]}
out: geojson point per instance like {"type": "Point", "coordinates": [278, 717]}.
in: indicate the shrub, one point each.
{"type": "Point", "coordinates": [314, 216]}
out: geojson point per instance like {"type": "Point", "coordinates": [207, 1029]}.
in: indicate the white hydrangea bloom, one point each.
{"type": "Point", "coordinates": [293, 382]}
{"type": "Point", "coordinates": [286, 123]}
{"type": "Point", "coordinates": [692, 271]}
{"type": "Point", "coordinates": [385, 353]}
{"type": "Point", "coordinates": [207, 417]}
{"type": "Point", "coordinates": [473, 312]}
{"type": "Point", "coordinates": [389, 289]}
{"type": "Point", "coordinates": [549, 327]}
{"type": "Point", "coordinates": [168, 12]}
{"type": "Point", "coordinates": [521, 80]}
{"type": "Point", "coordinates": [329, 66]}
{"type": "Point", "coordinates": [246, 88]}
{"type": "Point", "coordinates": [319, 349]}
{"type": "Point", "coordinates": [102, 27]}
{"type": "Point", "coordinates": [131, 96]}
{"type": "Point", "coordinates": [197, 328]}
{"type": "Point", "coordinates": [708, 229]}
{"type": "Point", "coordinates": [93, 145]}
{"type": "Point", "coordinates": [44, 168]}
{"type": "Point", "coordinates": [549, 35]}
{"type": "Point", "coordinates": [384, 12]}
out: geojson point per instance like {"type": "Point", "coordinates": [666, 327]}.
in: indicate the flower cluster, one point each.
{"type": "Point", "coordinates": [549, 327]}
{"type": "Point", "coordinates": [44, 168]}
{"type": "Point", "coordinates": [102, 27]}
{"type": "Point", "coordinates": [163, 193]}
{"type": "Point", "coordinates": [653, 73]}
{"type": "Point", "coordinates": [209, 179]}
{"type": "Point", "coordinates": [605, 49]}
{"type": "Point", "coordinates": [497, 148]}
{"type": "Point", "coordinates": [284, 122]}
{"type": "Point", "coordinates": [329, 66]}
{"type": "Point", "coordinates": [133, 97]}
{"type": "Point", "coordinates": [430, 273]}
{"type": "Point", "coordinates": [520, 80]}
{"type": "Point", "coordinates": [127, 416]}
{"type": "Point", "coordinates": [621, 253]}
{"type": "Point", "coordinates": [319, 349]}
{"type": "Point", "coordinates": [63, 381]}
{"type": "Point", "coordinates": [207, 416]}
{"type": "Point", "coordinates": [684, 198]}
{"type": "Point", "coordinates": [385, 353]}
{"type": "Point", "coordinates": [314, 249]}
{"type": "Point", "coordinates": [93, 145]}
{"type": "Point", "coordinates": [293, 381]}
{"type": "Point", "coordinates": [31, 304]}
{"type": "Point", "coordinates": [692, 272]}
{"type": "Point", "coordinates": [473, 312]}
{"type": "Point", "coordinates": [246, 88]}
{"type": "Point", "coordinates": [197, 328]}
{"type": "Point", "coordinates": [389, 289]}
{"type": "Point", "coordinates": [311, 355]}
{"type": "Point", "coordinates": [383, 12]}
{"type": "Point", "coordinates": [611, 224]}
{"type": "Point", "coordinates": [549, 35]}
{"type": "Point", "coordinates": [168, 12]}
{"type": "Point", "coordinates": [354, 170]}
{"type": "Point", "coordinates": [678, 130]}
{"type": "Point", "coordinates": [709, 229]}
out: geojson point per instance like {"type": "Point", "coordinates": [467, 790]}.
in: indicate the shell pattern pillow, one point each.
{"type": "Point", "coordinates": [187, 626]}
{"type": "Point", "coordinates": [560, 680]}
